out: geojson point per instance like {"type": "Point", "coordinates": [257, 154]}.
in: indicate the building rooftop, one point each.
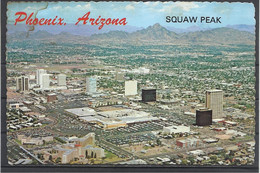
{"type": "Point", "coordinates": [214, 90]}
{"type": "Point", "coordinates": [84, 111]}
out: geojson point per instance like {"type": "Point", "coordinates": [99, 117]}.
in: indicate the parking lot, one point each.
{"type": "Point", "coordinates": [131, 139]}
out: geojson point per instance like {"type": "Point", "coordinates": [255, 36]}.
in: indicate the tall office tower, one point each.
{"type": "Point", "coordinates": [45, 81]}
{"type": "Point", "coordinates": [22, 83]}
{"type": "Point", "coordinates": [91, 85]}
{"type": "Point", "coordinates": [214, 101]}
{"type": "Point", "coordinates": [61, 80]}
{"type": "Point", "coordinates": [130, 88]}
{"type": "Point", "coordinates": [39, 72]}
{"type": "Point", "coordinates": [148, 95]}
{"type": "Point", "coordinates": [203, 117]}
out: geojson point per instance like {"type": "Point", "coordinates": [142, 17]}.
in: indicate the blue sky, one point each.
{"type": "Point", "coordinates": [140, 14]}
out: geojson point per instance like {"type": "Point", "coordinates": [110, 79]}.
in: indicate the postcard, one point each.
{"type": "Point", "coordinates": [143, 84]}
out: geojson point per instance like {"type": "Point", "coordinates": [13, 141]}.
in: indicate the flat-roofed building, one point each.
{"type": "Point", "coordinates": [148, 95]}
{"type": "Point", "coordinates": [176, 129]}
{"type": "Point", "coordinates": [51, 97]}
{"type": "Point", "coordinates": [45, 81]}
{"type": "Point", "coordinates": [22, 83]}
{"type": "Point", "coordinates": [61, 80]}
{"type": "Point", "coordinates": [131, 88]}
{"type": "Point", "coordinates": [91, 85]}
{"type": "Point", "coordinates": [39, 72]}
{"type": "Point", "coordinates": [112, 118]}
{"type": "Point", "coordinates": [214, 101]}
{"type": "Point", "coordinates": [84, 111]}
{"type": "Point", "coordinates": [203, 117]}
{"type": "Point", "coordinates": [189, 142]}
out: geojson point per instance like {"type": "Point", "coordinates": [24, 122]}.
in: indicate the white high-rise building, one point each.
{"type": "Point", "coordinates": [214, 101]}
{"type": "Point", "coordinates": [130, 88]}
{"type": "Point", "coordinates": [39, 72]}
{"type": "Point", "coordinates": [45, 81]}
{"type": "Point", "coordinates": [91, 85]}
{"type": "Point", "coordinates": [61, 80]}
{"type": "Point", "coordinates": [22, 83]}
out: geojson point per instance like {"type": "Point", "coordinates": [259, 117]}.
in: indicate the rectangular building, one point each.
{"type": "Point", "coordinates": [214, 101]}
{"type": "Point", "coordinates": [203, 117]}
{"type": "Point", "coordinates": [39, 72]}
{"type": "Point", "coordinates": [91, 85]}
{"type": "Point", "coordinates": [51, 97]}
{"type": "Point", "coordinates": [176, 129]}
{"type": "Point", "coordinates": [22, 83]}
{"type": "Point", "coordinates": [130, 88]}
{"type": "Point", "coordinates": [189, 142]}
{"type": "Point", "coordinates": [148, 95]}
{"type": "Point", "coordinates": [61, 80]}
{"type": "Point", "coordinates": [45, 81]}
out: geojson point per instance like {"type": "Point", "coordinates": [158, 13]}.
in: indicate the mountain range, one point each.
{"type": "Point", "coordinates": [155, 34]}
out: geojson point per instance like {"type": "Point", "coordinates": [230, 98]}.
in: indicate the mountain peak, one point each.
{"type": "Point", "coordinates": [156, 26]}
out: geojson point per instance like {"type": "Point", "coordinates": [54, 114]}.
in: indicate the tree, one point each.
{"type": "Point", "coordinates": [214, 158]}
{"type": "Point", "coordinates": [191, 159]}
{"type": "Point", "coordinates": [50, 157]}
{"type": "Point", "coordinates": [58, 160]}
{"type": "Point", "coordinates": [158, 142]}
{"type": "Point", "coordinates": [184, 162]}
{"type": "Point", "coordinates": [40, 156]}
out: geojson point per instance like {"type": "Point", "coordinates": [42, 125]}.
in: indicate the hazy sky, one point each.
{"type": "Point", "coordinates": [141, 14]}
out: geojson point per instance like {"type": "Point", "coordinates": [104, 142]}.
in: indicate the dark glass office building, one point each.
{"type": "Point", "coordinates": [148, 95]}
{"type": "Point", "coordinates": [203, 117]}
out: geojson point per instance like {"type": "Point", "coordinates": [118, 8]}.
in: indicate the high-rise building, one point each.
{"type": "Point", "coordinates": [45, 81]}
{"type": "Point", "coordinates": [148, 95]}
{"type": "Point", "coordinates": [130, 88]}
{"type": "Point", "coordinates": [61, 80]}
{"type": "Point", "coordinates": [91, 85]}
{"type": "Point", "coordinates": [39, 72]}
{"type": "Point", "coordinates": [203, 117]}
{"type": "Point", "coordinates": [22, 83]}
{"type": "Point", "coordinates": [214, 101]}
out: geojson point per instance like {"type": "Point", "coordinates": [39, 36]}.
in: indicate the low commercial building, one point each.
{"type": "Point", "coordinates": [16, 105]}
{"type": "Point", "coordinates": [197, 152]}
{"type": "Point", "coordinates": [135, 162]}
{"type": "Point", "coordinates": [190, 142]}
{"type": "Point", "coordinates": [81, 112]}
{"type": "Point", "coordinates": [51, 97]}
{"type": "Point", "coordinates": [176, 129]}
{"type": "Point", "coordinates": [231, 123]}
{"type": "Point", "coordinates": [112, 117]}
{"type": "Point", "coordinates": [210, 140]}
{"type": "Point", "coordinates": [28, 140]}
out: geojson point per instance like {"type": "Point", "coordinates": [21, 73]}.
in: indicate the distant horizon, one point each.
{"type": "Point", "coordinates": [129, 29]}
{"type": "Point", "coordinates": [140, 14]}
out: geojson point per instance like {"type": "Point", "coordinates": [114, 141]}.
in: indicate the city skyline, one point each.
{"type": "Point", "coordinates": [147, 97]}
